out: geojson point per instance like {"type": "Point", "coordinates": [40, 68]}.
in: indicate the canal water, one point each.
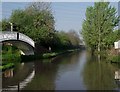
{"type": "Point", "coordinates": [73, 71]}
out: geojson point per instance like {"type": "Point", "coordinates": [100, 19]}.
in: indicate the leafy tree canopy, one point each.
{"type": "Point", "coordinates": [97, 28]}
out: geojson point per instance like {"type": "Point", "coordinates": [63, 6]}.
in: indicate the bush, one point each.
{"type": "Point", "coordinates": [6, 66]}
{"type": "Point", "coordinates": [115, 59]}
{"type": "Point", "coordinates": [10, 54]}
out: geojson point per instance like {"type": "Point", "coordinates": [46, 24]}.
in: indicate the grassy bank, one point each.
{"type": "Point", "coordinates": [46, 55]}
{"type": "Point", "coordinates": [11, 55]}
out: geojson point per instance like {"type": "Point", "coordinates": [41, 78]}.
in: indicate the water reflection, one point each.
{"type": "Point", "coordinates": [74, 71]}
{"type": "Point", "coordinates": [44, 76]}
{"type": "Point", "coordinates": [8, 73]}
{"type": "Point", "coordinates": [21, 84]}
{"type": "Point", "coordinates": [69, 75]}
{"type": "Point", "coordinates": [99, 75]}
{"type": "Point", "coordinates": [48, 71]}
{"type": "Point", "coordinates": [117, 75]}
{"type": "Point", "coordinates": [14, 76]}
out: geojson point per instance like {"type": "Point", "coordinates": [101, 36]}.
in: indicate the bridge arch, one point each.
{"type": "Point", "coordinates": [23, 42]}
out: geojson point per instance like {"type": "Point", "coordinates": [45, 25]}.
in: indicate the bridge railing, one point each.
{"type": "Point", "coordinates": [26, 38]}
{"type": "Point", "coordinates": [8, 35]}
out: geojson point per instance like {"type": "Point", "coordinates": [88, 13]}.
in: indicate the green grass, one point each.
{"type": "Point", "coordinates": [45, 55]}
{"type": "Point", "coordinates": [54, 54]}
{"type": "Point", "coordinates": [48, 55]}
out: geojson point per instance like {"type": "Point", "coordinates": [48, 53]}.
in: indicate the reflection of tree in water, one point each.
{"type": "Point", "coordinates": [67, 62]}
{"type": "Point", "coordinates": [20, 72]}
{"type": "Point", "coordinates": [69, 58]}
{"type": "Point", "coordinates": [99, 75]}
{"type": "Point", "coordinates": [45, 73]}
{"type": "Point", "coordinates": [44, 77]}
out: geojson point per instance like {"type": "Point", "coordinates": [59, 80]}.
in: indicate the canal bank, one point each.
{"type": "Point", "coordinates": [47, 55]}
{"type": "Point", "coordinates": [28, 58]}
{"type": "Point", "coordinates": [71, 71]}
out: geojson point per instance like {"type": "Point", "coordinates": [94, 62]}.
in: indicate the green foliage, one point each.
{"type": "Point", "coordinates": [74, 38]}
{"type": "Point", "coordinates": [116, 35]}
{"type": "Point", "coordinates": [68, 39]}
{"type": "Point", "coordinates": [64, 40]}
{"type": "Point", "coordinates": [5, 25]}
{"type": "Point", "coordinates": [6, 66]}
{"type": "Point", "coordinates": [37, 22]}
{"type": "Point", "coordinates": [114, 59]}
{"type": "Point", "coordinates": [48, 55]}
{"type": "Point", "coordinates": [45, 55]}
{"type": "Point", "coordinates": [10, 54]}
{"type": "Point", "coordinates": [97, 28]}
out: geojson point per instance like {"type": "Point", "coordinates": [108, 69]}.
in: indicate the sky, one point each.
{"type": "Point", "coordinates": [68, 15]}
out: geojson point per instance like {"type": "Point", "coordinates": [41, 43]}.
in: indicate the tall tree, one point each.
{"type": "Point", "coordinates": [36, 21]}
{"type": "Point", "coordinates": [99, 25]}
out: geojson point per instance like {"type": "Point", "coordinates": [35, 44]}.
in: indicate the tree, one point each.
{"type": "Point", "coordinates": [36, 21]}
{"type": "Point", "coordinates": [63, 40]}
{"type": "Point", "coordinates": [117, 34]}
{"type": "Point", "coordinates": [5, 25]}
{"type": "Point", "coordinates": [99, 24]}
{"type": "Point", "coordinates": [73, 37]}
{"type": "Point", "coordinates": [67, 40]}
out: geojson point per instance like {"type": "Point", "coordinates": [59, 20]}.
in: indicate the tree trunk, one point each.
{"type": "Point", "coordinates": [98, 47]}
{"type": "Point", "coordinates": [99, 42]}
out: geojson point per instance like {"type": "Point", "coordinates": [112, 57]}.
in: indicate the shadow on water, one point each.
{"type": "Point", "coordinates": [99, 75]}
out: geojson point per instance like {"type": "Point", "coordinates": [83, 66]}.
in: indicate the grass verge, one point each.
{"type": "Point", "coordinates": [45, 55]}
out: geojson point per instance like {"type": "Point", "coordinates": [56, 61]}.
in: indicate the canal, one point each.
{"type": "Point", "coordinates": [73, 71]}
